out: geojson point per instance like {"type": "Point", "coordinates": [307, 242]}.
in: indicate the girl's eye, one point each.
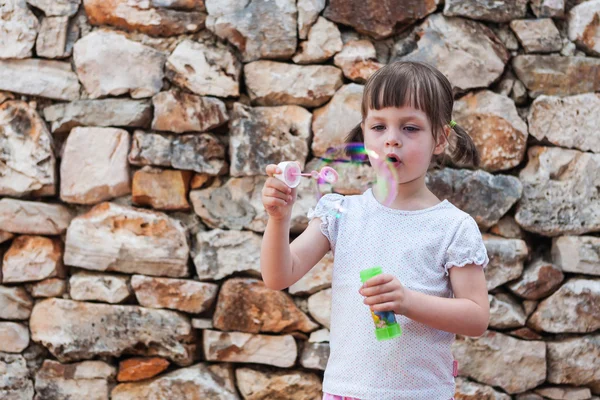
{"type": "Point", "coordinates": [411, 128]}
{"type": "Point", "coordinates": [378, 128]}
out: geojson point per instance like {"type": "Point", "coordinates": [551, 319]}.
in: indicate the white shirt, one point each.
{"type": "Point", "coordinates": [418, 247]}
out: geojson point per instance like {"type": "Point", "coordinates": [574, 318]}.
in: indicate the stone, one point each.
{"type": "Point", "coordinates": [201, 381]}
{"type": "Point", "coordinates": [88, 379]}
{"type": "Point", "coordinates": [91, 286]}
{"type": "Point", "coordinates": [484, 196]}
{"type": "Point", "coordinates": [574, 361]}
{"type": "Point", "coordinates": [161, 189]}
{"type": "Point", "coordinates": [560, 192]}
{"type": "Point", "coordinates": [539, 280]}
{"type": "Point", "coordinates": [155, 244]}
{"type": "Point", "coordinates": [247, 305]}
{"type": "Point", "coordinates": [15, 303]}
{"type": "Point", "coordinates": [577, 254]}
{"type": "Point", "coordinates": [51, 287]}
{"type": "Point", "coordinates": [317, 279]}
{"type": "Point", "coordinates": [257, 28]}
{"type": "Point", "coordinates": [94, 165]}
{"type": "Point", "coordinates": [52, 38]}
{"type": "Point", "coordinates": [315, 356]}
{"type": "Point", "coordinates": [177, 111]}
{"type": "Point", "coordinates": [237, 205]}
{"type": "Point", "coordinates": [324, 41]}
{"type": "Point", "coordinates": [583, 26]}
{"type": "Point", "coordinates": [44, 78]}
{"type": "Point", "coordinates": [203, 153]}
{"type": "Point", "coordinates": [18, 29]}
{"type": "Point", "coordinates": [218, 254]}
{"type": "Point", "coordinates": [506, 36]}
{"type": "Point", "coordinates": [171, 4]}
{"type": "Point", "coordinates": [332, 122]}
{"type": "Point", "coordinates": [493, 123]}
{"type": "Point", "coordinates": [15, 382]}
{"type": "Point", "coordinates": [34, 218]}
{"type": "Point", "coordinates": [277, 385]}
{"type": "Point", "coordinates": [140, 368]}
{"type": "Point", "coordinates": [539, 74]}
{"type": "Point", "coordinates": [507, 227]}
{"type": "Point", "coordinates": [320, 336]}
{"type": "Point", "coordinates": [506, 260]}
{"type": "Point", "coordinates": [537, 35]}
{"type": "Point", "coordinates": [57, 7]}
{"type": "Point", "coordinates": [176, 294]}
{"type": "Point", "coordinates": [202, 323]}
{"type": "Point", "coordinates": [524, 362]}
{"type": "Point", "coordinates": [548, 8]}
{"type": "Point", "coordinates": [357, 60]}
{"type": "Point", "coordinates": [14, 337]}
{"type": "Point", "coordinates": [33, 258]}
{"type": "Point", "coordinates": [5, 236]}
{"type": "Point", "coordinates": [261, 136]}
{"type": "Point", "coordinates": [505, 312]}
{"type": "Point", "coordinates": [4, 96]}
{"type": "Point", "coordinates": [574, 307]}
{"type": "Point", "coordinates": [525, 334]}
{"type": "Point", "coordinates": [308, 13]}
{"type": "Point", "coordinates": [490, 11]}
{"type": "Point", "coordinates": [376, 18]}
{"type": "Point", "coordinates": [319, 306]}
{"type": "Point", "coordinates": [74, 331]}
{"type": "Point", "coordinates": [238, 347]}
{"type": "Point", "coordinates": [440, 39]}
{"type": "Point", "coordinates": [468, 390]}
{"type": "Point", "coordinates": [578, 116]}
{"type": "Point", "coordinates": [138, 73]}
{"type": "Point", "coordinates": [565, 393]}
{"type": "Point", "coordinates": [204, 69]}
{"type": "Point", "coordinates": [271, 83]}
{"type": "Point", "coordinates": [27, 161]}
{"type": "Point", "coordinates": [99, 113]}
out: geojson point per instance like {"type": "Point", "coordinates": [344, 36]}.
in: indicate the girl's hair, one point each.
{"type": "Point", "coordinates": [421, 86]}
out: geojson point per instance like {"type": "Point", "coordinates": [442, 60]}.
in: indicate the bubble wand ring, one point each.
{"type": "Point", "coordinates": [291, 174]}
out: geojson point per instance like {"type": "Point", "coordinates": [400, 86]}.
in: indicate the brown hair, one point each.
{"type": "Point", "coordinates": [421, 86]}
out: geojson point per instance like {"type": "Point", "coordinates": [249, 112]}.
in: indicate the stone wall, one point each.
{"type": "Point", "coordinates": [133, 136]}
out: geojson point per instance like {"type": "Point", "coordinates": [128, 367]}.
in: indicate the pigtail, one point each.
{"type": "Point", "coordinates": [462, 148]}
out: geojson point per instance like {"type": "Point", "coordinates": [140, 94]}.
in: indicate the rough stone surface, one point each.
{"type": "Point", "coordinates": [247, 305]}
{"type": "Point", "coordinates": [57, 7]}
{"type": "Point", "coordinates": [560, 192]}
{"type": "Point", "coordinates": [440, 39]}
{"type": "Point", "coordinates": [107, 288]}
{"type": "Point", "coordinates": [33, 258]}
{"type": "Point", "coordinates": [491, 119]}
{"type": "Point", "coordinates": [18, 29]}
{"type": "Point", "coordinates": [27, 161]}
{"type": "Point", "coordinates": [176, 294]}
{"type": "Point", "coordinates": [101, 113]}
{"type": "Point", "coordinates": [139, 71]}
{"type": "Point", "coordinates": [52, 40]}
{"type": "Point", "coordinates": [257, 28]}
{"type": "Point", "coordinates": [75, 331]}
{"type": "Point", "coordinates": [14, 337]}
{"type": "Point", "coordinates": [315, 356]}
{"type": "Point", "coordinates": [308, 13]}
{"type": "Point", "coordinates": [506, 260]}
{"type": "Point", "coordinates": [204, 69]}
{"type": "Point", "coordinates": [319, 306]}
{"type": "Point", "coordinates": [51, 287]}
{"type": "Point", "coordinates": [583, 26]}
{"type": "Point", "coordinates": [15, 382]}
{"type": "Point", "coordinates": [577, 254]}
{"type": "Point", "coordinates": [358, 60]}
{"type": "Point", "coordinates": [492, 11]}
{"type": "Point", "coordinates": [524, 361]}
{"type": "Point", "coordinates": [94, 165]}
{"type": "Point", "coordinates": [318, 278]}
{"type": "Point", "coordinates": [539, 280]}
{"type": "Point", "coordinates": [565, 393]}
{"type": "Point", "coordinates": [575, 307]}
{"type": "Point", "coordinates": [507, 227]}
{"type": "Point", "coordinates": [324, 40]}
{"type": "Point", "coordinates": [277, 385]}
{"type": "Point", "coordinates": [155, 243]}
{"type": "Point", "coordinates": [176, 111]}
{"type": "Point", "coordinates": [218, 253]}
{"type": "Point", "coordinates": [34, 218]}
{"type": "Point", "coordinates": [505, 312]}
{"type": "Point", "coordinates": [15, 303]}
{"type": "Point", "coordinates": [556, 75]}
{"type": "Point", "coordinates": [574, 361]}
{"type": "Point", "coordinates": [468, 390]}
{"type": "Point", "coordinates": [578, 116]}
{"type": "Point", "coordinates": [272, 83]}
{"type": "Point", "coordinates": [548, 8]}
{"type": "Point", "coordinates": [537, 35]}
{"type": "Point", "coordinates": [161, 189]}
{"type": "Point", "coordinates": [377, 18]}
{"type": "Point", "coordinates": [140, 368]}
{"type": "Point", "coordinates": [261, 136]}
{"type": "Point", "coordinates": [279, 351]}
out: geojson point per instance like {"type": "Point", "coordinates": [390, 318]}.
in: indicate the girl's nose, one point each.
{"type": "Point", "coordinates": [392, 141]}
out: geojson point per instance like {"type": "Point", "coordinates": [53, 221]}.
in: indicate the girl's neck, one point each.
{"type": "Point", "coordinates": [409, 196]}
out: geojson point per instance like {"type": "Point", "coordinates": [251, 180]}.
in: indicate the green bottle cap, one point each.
{"type": "Point", "coordinates": [389, 332]}
{"type": "Point", "coordinates": [367, 274]}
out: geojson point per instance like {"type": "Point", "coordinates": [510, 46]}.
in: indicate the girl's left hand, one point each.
{"type": "Point", "coordinates": [385, 293]}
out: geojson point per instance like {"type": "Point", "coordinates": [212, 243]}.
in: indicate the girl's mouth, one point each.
{"type": "Point", "coordinates": [392, 158]}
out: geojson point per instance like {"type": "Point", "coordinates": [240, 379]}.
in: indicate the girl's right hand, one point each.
{"type": "Point", "coordinates": [278, 199]}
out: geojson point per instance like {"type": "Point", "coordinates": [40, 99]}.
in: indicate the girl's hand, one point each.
{"type": "Point", "coordinates": [278, 199]}
{"type": "Point", "coordinates": [385, 293]}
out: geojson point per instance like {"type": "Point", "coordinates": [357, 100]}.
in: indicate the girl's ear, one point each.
{"type": "Point", "coordinates": [442, 141]}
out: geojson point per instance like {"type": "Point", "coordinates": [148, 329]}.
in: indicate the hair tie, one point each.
{"type": "Point", "coordinates": [452, 124]}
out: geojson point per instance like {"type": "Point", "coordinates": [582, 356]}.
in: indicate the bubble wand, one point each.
{"type": "Point", "coordinates": [291, 174]}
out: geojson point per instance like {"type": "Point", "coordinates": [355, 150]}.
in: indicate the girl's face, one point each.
{"type": "Point", "coordinates": [402, 136]}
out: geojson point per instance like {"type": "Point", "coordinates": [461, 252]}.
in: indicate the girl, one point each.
{"type": "Point", "coordinates": [415, 237]}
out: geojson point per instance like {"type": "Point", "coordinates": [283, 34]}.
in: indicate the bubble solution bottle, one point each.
{"type": "Point", "coordinates": [386, 326]}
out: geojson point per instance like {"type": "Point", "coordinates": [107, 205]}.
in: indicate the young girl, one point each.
{"type": "Point", "coordinates": [417, 239]}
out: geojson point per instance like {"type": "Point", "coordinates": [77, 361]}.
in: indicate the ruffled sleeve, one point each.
{"type": "Point", "coordinates": [328, 210]}
{"type": "Point", "coordinates": [466, 247]}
